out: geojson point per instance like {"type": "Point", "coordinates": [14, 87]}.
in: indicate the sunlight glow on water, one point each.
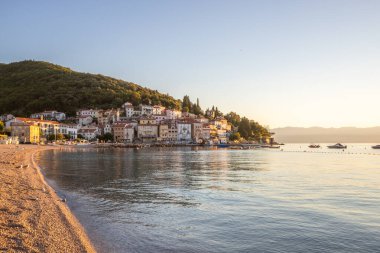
{"type": "Point", "coordinates": [184, 200]}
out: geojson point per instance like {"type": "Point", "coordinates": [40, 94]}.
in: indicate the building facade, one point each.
{"type": "Point", "coordinates": [25, 132]}
{"type": "Point", "coordinates": [183, 132]}
{"type": "Point", "coordinates": [147, 132]}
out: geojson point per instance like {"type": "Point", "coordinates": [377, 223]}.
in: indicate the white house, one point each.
{"type": "Point", "coordinates": [49, 115]}
{"type": "Point", "coordinates": [88, 133]}
{"type": "Point", "coordinates": [107, 129]}
{"type": "Point", "coordinates": [129, 133]}
{"type": "Point", "coordinates": [222, 135]}
{"type": "Point", "coordinates": [158, 109]}
{"type": "Point", "coordinates": [69, 129]}
{"type": "Point", "coordinates": [129, 109]}
{"type": "Point", "coordinates": [72, 130]}
{"type": "Point", "coordinates": [85, 120]}
{"type": "Point", "coordinates": [88, 112]}
{"type": "Point", "coordinates": [172, 114]}
{"type": "Point", "coordinates": [6, 117]}
{"type": "Point", "coordinates": [146, 109]}
{"type": "Point", "coordinates": [159, 118]}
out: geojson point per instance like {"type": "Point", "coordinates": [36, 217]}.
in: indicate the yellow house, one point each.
{"type": "Point", "coordinates": [26, 132]}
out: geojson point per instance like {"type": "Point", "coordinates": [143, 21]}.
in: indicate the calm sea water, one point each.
{"type": "Point", "coordinates": [201, 200]}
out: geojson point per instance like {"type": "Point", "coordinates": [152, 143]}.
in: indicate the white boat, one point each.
{"type": "Point", "coordinates": [338, 146]}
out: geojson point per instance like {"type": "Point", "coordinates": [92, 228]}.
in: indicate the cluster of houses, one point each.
{"type": "Point", "coordinates": [129, 124]}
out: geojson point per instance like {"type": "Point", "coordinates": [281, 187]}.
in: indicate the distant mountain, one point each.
{"type": "Point", "coordinates": [31, 86]}
{"type": "Point", "coordinates": [327, 135]}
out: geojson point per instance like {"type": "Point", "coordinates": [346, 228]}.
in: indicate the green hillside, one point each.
{"type": "Point", "coordinates": [32, 86]}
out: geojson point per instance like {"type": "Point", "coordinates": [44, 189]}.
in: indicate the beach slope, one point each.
{"type": "Point", "coordinates": [32, 217]}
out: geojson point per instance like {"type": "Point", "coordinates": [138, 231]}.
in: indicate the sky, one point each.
{"type": "Point", "coordinates": [282, 63]}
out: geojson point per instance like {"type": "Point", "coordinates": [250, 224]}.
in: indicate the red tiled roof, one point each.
{"type": "Point", "coordinates": [37, 120]}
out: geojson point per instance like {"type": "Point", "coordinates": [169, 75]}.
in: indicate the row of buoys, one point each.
{"type": "Point", "coordinates": [316, 152]}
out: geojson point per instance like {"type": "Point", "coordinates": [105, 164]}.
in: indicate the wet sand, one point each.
{"type": "Point", "coordinates": [32, 217]}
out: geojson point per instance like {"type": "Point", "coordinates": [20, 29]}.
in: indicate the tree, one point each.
{"type": "Point", "coordinates": [197, 110]}
{"type": "Point", "coordinates": [108, 137]}
{"type": "Point", "coordinates": [51, 137]}
{"type": "Point", "coordinates": [2, 127]}
{"type": "Point", "coordinates": [105, 137]}
{"type": "Point", "coordinates": [244, 128]}
{"type": "Point", "coordinates": [258, 131]}
{"type": "Point", "coordinates": [60, 137]}
{"type": "Point", "coordinates": [79, 136]}
{"type": "Point", "coordinates": [135, 98]}
{"type": "Point", "coordinates": [54, 137]}
{"type": "Point", "coordinates": [186, 102]}
{"type": "Point", "coordinates": [235, 136]}
{"type": "Point", "coordinates": [185, 109]}
{"type": "Point", "coordinates": [233, 118]}
{"type": "Point", "coordinates": [218, 113]}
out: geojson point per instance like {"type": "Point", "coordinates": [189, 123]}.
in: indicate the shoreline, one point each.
{"type": "Point", "coordinates": [33, 218]}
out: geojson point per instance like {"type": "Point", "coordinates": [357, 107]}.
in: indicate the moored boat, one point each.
{"type": "Point", "coordinates": [270, 146]}
{"type": "Point", "coordinates": [376, 147]}
{"type": "Point", "coordinates": [338, 146]}
{"type": "Point", "coordinates": [314, 146]}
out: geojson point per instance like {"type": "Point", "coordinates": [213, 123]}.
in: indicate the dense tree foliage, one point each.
{"type": "Point", "coordinates": [33, 86]}
{"type": "Point", "coordinates": [235, 136]}
{"type": "Point", "coordinates": [244, 128]}
{"type": "Point", "coordinates": [2, 127]}
{"type": "Point", "coordinates": [105, 137]}
{"type": "Point", "coordinates": [233, 118]}
{"type": "Point", "coordinates": [251, 130]}
{"type": "Point", "coordinates": [188, 106]}
{"type": "Point", "coordinates": [54, 137]}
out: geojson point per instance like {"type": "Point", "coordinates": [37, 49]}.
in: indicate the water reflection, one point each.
{"type": "Point", "coordinates": [204, 200]}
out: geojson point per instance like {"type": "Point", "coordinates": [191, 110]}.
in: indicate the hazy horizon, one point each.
{"type": "Point", "coordinates": [327, 135]}
{"type": "Point", "coordinates": [294, 63]}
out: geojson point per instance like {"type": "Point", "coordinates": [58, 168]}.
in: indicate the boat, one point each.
{"type": "Point", "coordinates": [269, 146]}
{"type": "Point", "coordinates": [223, 145]}
{"type": "Point", "coordinates": [338, 146]}
{"type": "Point", "coordinates": [314, 146]}
{"type": "Point", "coordinates": [236, 147]}
{"type": "Point", "coordinates": [274, 146]}
{"type": "Point", "coordinates": [376, 147]}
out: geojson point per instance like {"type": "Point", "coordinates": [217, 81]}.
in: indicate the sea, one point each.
{"type": "Point", "coordinates": [194, 199]}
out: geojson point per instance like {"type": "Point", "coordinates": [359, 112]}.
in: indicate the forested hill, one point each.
{"type": "Point", "coordinates": [31, 86]}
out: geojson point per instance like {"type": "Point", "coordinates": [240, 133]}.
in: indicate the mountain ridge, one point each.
{"type": "Point", "coordinates": [32, 86]}
{"type": "Point", "coordinates": [322, 134]}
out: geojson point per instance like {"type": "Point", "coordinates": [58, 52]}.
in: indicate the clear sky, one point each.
{"type": "Point", "coordinates": [282, 63]}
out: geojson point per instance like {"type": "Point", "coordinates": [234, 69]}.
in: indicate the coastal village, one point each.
{"type": "Point", "coordinates": [142, 124]}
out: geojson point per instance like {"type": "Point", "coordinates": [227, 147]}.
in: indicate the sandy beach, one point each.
{"type": "Point", "coordinates": [32, 217]}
